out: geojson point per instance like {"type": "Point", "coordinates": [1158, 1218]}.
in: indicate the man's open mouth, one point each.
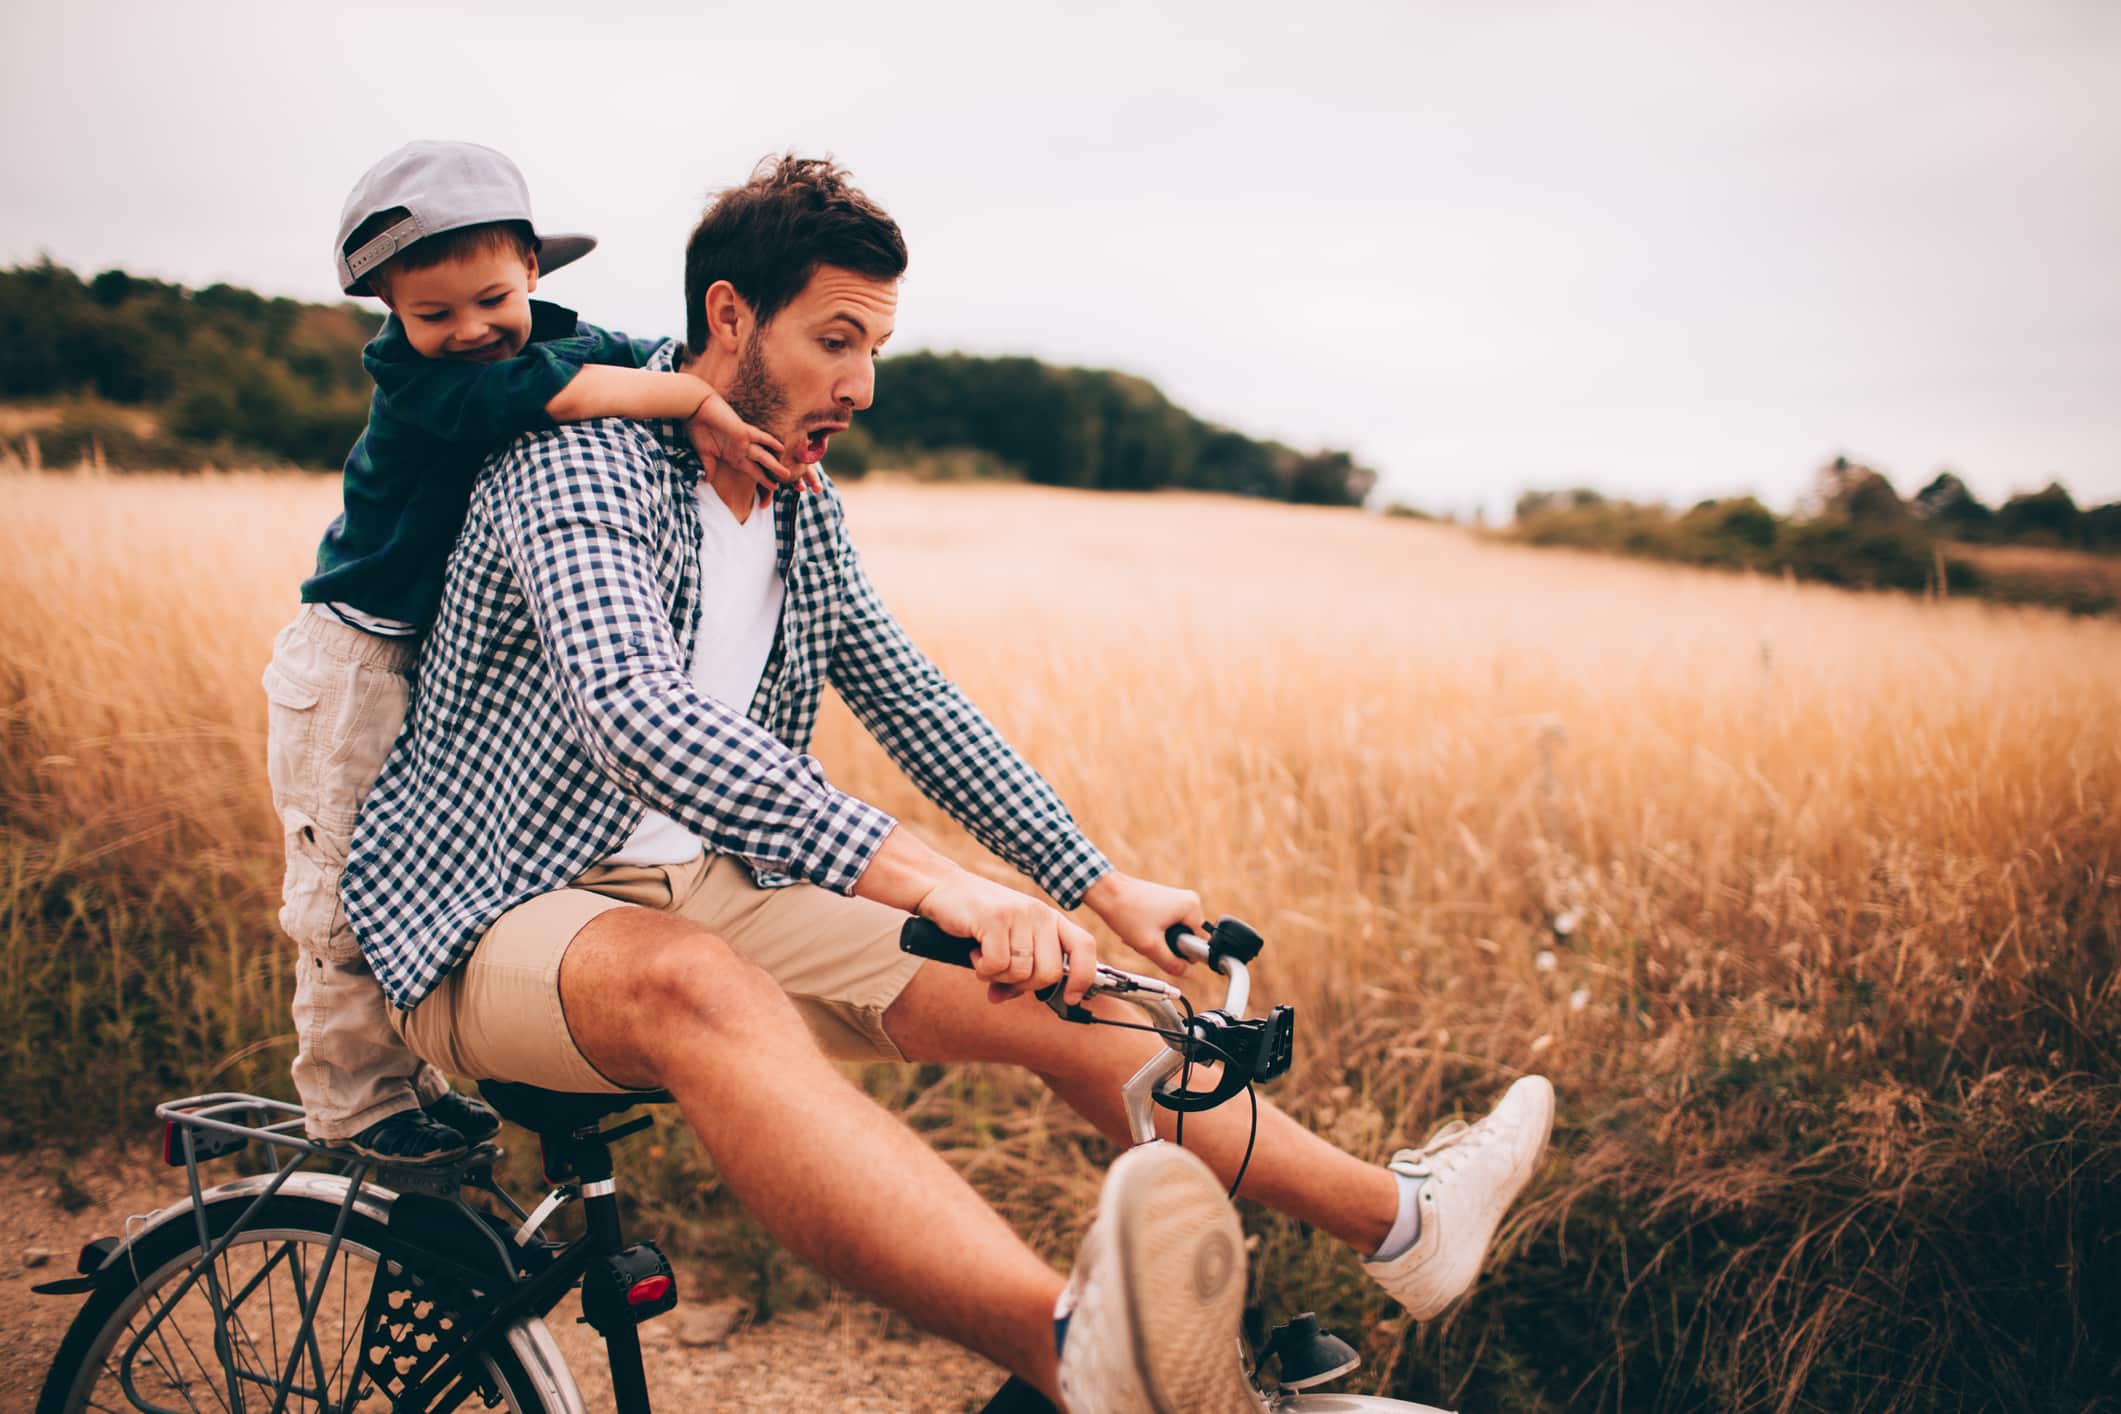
{"type": "Point", "coordinates": [811, 450]}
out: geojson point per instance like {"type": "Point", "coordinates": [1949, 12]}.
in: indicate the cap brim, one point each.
{"type": "Point", "coordinates": [555, 251]}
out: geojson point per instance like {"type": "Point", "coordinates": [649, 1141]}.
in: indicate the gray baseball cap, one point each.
{"type": "Point", "coordinates": [442, 186]}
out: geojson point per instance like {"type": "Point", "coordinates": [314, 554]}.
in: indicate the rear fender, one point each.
{"type": "Point", "coordinates": [371, 1202]}
{"type": "Point", "coordinates": [437, 1226]}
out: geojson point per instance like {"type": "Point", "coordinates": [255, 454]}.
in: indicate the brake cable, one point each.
{"type": "Point", "coordinates": [1188, 1044]}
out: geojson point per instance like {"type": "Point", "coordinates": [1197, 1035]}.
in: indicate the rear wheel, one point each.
{"type": "Point", "coordinates": [147, 1339]}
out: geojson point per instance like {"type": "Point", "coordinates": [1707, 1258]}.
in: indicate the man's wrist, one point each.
{"type": "Point", "coordinates": [903, 872]}
{"type": "Point", "coordinates": [1100, 895]}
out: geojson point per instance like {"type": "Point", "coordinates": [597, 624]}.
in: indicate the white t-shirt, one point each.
{"type": "Point", "coordinates": [740, 610]}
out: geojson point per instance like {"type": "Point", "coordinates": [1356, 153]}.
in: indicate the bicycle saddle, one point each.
{"type": "Point", "coordinates": [560, 1112]}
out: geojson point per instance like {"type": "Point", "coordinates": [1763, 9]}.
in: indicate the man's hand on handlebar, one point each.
{"type": "Point", "coordinates": [1140, 912]}
{"type": "Point", "coordinates": [1022, 941]}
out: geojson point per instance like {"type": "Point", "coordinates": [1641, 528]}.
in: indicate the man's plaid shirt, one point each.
{"type": "Point", "coordinates": [554, 703]}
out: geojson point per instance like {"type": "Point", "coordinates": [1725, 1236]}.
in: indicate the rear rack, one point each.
{"type": "Point", "coordinates": [208, 1126]}
{"type": "Point", "coordinates": [203, 1127]}
{"type": "Point", "coordinates": [199, 1128]}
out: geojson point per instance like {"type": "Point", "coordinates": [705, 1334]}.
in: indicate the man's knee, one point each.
{"type": "Point", "coordinates": [698, 980]}
{"type": "Point", "coordinates": [659, 981]}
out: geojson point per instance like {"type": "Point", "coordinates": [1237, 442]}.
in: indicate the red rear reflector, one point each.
{"type": "Point", "coordinates": [172, 1146]}
{"type": "Point", "coordinates": [648, 1291]}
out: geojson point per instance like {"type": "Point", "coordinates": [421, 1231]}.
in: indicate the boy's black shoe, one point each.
{"type": "Point", "coordinates": [467, 1115]}
{"type": "Point", "coordinates": [409, 1137]}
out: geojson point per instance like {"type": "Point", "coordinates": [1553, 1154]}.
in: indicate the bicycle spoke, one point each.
{"type": "Point", "coordinates": [349, 1341]}
{"type": "Point", "coordinates": [234, 1323]}
{"type": "Point", "coordinates": [272, 1312]}
{"type": "Point", "coordinates": [299, 1281]}
{"type": "Point", "coordinates": [233, 1403]}
{"type": "Point", "coordinates": [180, 1385]}
{"type": "Point", "coordinates": [308, 1303]}
{"type": "Point", "coordinates": [326, 1383]}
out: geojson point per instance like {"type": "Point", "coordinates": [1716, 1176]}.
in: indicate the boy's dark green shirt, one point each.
{"type": "Point", "coordinates": [431, 425]}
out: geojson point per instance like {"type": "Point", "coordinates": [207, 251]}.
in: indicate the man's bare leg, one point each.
{"type": "Point", "coordinates": [654, 1001]}
{"type": "Point", "coordinates": [944, 1015]}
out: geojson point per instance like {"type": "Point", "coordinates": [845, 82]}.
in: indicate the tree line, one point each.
{"type": "Point", "coordinates": [1852, 528]}
{"type": "Point", "coordinates": [1092, 428]}
{"type": "Point", "coordinates": [231, 376]}
{"type": "Point", "coordinates": [226, 373]}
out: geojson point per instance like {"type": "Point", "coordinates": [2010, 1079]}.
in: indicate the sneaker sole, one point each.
{"type": "Point", "coordinates": [437, 1159]}
{"type": "Point", "coordinates": [1183, 1264]}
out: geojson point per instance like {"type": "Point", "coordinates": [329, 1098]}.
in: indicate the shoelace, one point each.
{"type": "Point", "coordinates": [1441, 1154]}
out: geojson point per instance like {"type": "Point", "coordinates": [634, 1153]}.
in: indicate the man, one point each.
{"type": "Point", "coordinates": [585, 868]}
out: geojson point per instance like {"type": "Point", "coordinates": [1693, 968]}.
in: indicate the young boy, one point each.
{"type": "Point", "coordinates": [441, 233]}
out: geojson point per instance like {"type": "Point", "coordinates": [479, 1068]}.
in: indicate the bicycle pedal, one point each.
{"type": "Point", "coordinates": [1307, 1355]}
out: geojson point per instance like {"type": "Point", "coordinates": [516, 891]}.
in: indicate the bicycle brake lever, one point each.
{"type": "Point", "coordinates": [1056, 998]}
{"type": "Point", "coordinates": [1066, 1010]}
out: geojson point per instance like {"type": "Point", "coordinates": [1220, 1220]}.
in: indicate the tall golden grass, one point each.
{"type": "Point", "coordinates": [1809, 902]}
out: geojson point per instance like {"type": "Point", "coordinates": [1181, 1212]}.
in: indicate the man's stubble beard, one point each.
{"type": "Point", "coordinates": [754, 394]}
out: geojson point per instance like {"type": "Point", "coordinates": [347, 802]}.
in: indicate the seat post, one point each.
{"type": "Point", "coordinates": [591, 1158]}
{"type": "Point", "coordinates": [575, 1150]}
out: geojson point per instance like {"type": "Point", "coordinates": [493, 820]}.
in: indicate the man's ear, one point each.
{"type": "Point", "coordinates": [530, 268]}
{"type": "Point", "coordinates": [728, 316]}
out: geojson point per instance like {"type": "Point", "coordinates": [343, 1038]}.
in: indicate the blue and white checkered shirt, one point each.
{"type": "Point", "coordinates": [554, 704]}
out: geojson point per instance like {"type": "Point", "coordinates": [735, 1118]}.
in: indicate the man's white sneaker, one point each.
{"type": "Point", "coordinates": [1157, 1295]}
{"type": "Point", "coordinates": [1470, 1175]}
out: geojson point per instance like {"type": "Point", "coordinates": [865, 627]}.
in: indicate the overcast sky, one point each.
{"type": "Point", "coordinates": [1675, 250]}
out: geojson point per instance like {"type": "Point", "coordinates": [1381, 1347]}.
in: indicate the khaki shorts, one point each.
{"type": "Point", "coordinates": [498, 1015]}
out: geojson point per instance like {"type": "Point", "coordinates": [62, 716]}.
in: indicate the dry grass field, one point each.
{"type": "Point", "coordinates": [1809, 902]}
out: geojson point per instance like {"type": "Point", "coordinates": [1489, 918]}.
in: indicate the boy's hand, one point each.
{"type": "Point", "coordinates": [719, 435]}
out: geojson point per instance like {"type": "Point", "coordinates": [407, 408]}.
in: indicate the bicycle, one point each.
{"type": "Point", "coordinates": [225, 1300]}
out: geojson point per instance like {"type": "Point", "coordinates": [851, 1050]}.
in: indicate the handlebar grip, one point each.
{"type": "Point", "coordinates": [925, 939]}
{"type": "Point", "coordinates": [1204, 941]}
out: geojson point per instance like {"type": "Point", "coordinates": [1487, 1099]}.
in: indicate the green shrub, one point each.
{"type": "Point", "coordinates": [1859, 554]}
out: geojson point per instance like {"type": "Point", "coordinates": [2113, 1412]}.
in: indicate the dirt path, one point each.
{"type": "Point", "coordinates": [845, 1355]}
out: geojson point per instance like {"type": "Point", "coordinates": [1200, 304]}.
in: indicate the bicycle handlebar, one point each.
{"type": "Point", "coordinates": [928, 940]}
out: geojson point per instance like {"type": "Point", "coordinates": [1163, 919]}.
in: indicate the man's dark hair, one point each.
{"type": "Point", "coordinates": [490, 237]}
{"type": "Point", "coordinates": [768, 236]}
